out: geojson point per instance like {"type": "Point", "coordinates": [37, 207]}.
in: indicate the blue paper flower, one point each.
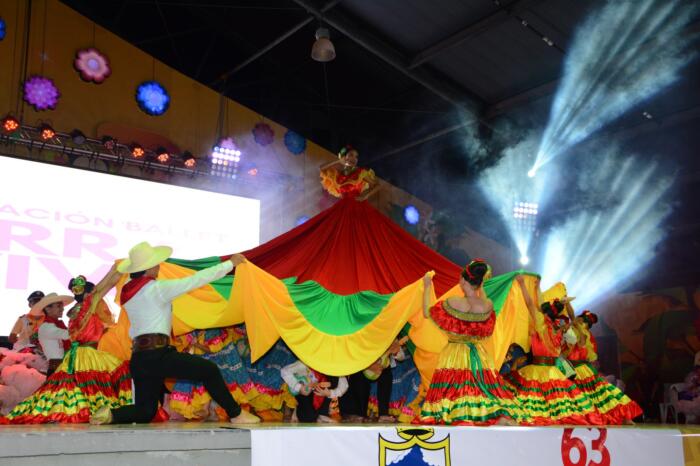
{"type": "Point", "coordinates": [411, 214]}
{"type": "Point", "coordinates": [152, 98]}
{"type": "Point", "coordinates": [3, 28]}
{"type": "Point", "coordinates": [295, 142]}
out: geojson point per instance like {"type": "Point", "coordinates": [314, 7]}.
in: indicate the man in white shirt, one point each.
{"type": "Point", "coordinates": [148, 304]}
{"type": "Point", "coordinates": [53, 334]}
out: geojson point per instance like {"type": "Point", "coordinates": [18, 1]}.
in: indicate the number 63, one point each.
{"type": "Point", "coordinates": [569, 442]}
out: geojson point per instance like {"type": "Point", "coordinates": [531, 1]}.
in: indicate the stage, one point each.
{"type": "Point", "coordinates": [175, 444]}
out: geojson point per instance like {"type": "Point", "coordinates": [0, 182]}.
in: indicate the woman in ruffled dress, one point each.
{"type": "Point", "coordinates": [610, 401]}
{"type": "Point", "coordinates": [466, 387]}
{"type": "Point", "coordinates": [87, 378]}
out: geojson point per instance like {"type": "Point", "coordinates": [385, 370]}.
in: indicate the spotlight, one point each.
{"type": "Point", "coordinates": [136, 151]}
{"type": "Point", "coordinates": [323, 49]}
{"type": "Point", "coordinates": [77, 137]}
{"type": "Point", "coordinates": [524, 260]}
{"type": "Point", "coordinates": [225, 158]}
{"type": "Point", "coordinates": [10, 124]}
{"type": "Point", "coordinates": [647, 115]}
{"type": "Point", "coordinates": [532, 173]}
{"type": "Point", "coordinates": [188, 160]}
{"type": "Point", "coordinates": [411, 214]}
{"type": "Point", "coordinates": [162, 155]}
{"type": "Point", "coordinates": [253, 171]}
{"type": "Point", "coordinates": [108, 142]}
{"type": "Point", "coordinates": [46, 132]}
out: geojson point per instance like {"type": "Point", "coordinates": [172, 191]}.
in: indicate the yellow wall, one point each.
{"type": "Point", "coordinates": [56, 32]}
{"type": "Point", "coordinates": [191, 122]}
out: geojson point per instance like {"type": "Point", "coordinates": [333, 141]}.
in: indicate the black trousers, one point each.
{"type": "Point", "coordinates": [356, 399]}
{"type": "Point", "coordinates": [149, 370]}
{"type": "Point", "coordinates": [306, 411]}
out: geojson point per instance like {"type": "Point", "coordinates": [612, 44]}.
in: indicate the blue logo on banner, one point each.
{"type": "Point", "coordinates": [416, 450]}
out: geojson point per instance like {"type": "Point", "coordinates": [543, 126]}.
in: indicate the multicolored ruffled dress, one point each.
{"type": "Point", "coordinates": [86, 380]}
{"type": "Point", "coordinates": [266, 376]}
{"type": "Point", "coordinates": [339, 184]}
{"type": "Point", "coordinates": [219, 345]}
{"type": "Point", "coordinates": [258, 385]}
{"type": "Point", "coordinates": [546, 394]}
{"type": "Point", "coordinates": [466, 387]}
{"type": "Point", "coordinates": [610, 401]}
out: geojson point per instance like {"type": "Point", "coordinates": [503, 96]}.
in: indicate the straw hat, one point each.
{"type": "Point", "coordinates": [143, 256]}
{"type": "Point", "coordinates": [48, 300]}
{"type": "Point", "coordinates": [558, 291]}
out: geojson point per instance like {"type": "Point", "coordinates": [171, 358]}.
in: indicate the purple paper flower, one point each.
{"type": "Point", "coordinates": [41, 93]}
{"type": "Point", "coordinates": [92, 65]}
{"type": "Point", "coordinates": [263, 134]}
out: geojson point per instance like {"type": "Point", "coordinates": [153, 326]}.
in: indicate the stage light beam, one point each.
{"type": "Point", "coordinates": [597, 251]}
{"type": "Point", "coordinates": [624, 53]}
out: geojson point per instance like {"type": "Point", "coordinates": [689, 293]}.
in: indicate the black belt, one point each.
{"type": "Point", "coordinates": [150, 341]}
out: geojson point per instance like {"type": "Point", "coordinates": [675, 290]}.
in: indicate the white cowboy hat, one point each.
{"type": "Point", "coordinates": [49, 299]}
{"type": "Point", "coordinates": [143, 256]}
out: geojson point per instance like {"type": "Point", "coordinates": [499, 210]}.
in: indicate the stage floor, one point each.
{"type": "Point", "coordinates": [175, 443]}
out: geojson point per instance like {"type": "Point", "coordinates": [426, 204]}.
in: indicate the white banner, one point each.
{"type": "Point", "coordinates": [458, 446]}
{"type": "Point", "coordinates": [57, 222]}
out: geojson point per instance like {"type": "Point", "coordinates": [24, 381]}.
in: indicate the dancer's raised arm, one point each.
{"type": "Point", "coordinates": [427, 282]}
{"type": "Point", "coordinates": [526, 295]}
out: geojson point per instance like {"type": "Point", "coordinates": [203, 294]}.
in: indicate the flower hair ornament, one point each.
{"type": "Point", "coordinates": [346, 150]}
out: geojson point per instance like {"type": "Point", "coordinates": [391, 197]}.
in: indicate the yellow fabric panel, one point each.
{"type": "Point", "coordinates": [425, 362]}
{"type": "Point", "coordinates": [269, 312]}
{"type": "Point", "coordinates": [424, 333]}
{"type": "Point", "coordinates": [116, 340]}
{"type": "Point", "coordinates": [199, 309]}
{"type": "Point", "coordinates": [255, 296]}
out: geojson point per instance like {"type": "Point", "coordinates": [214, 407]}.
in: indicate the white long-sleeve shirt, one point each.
{"type": "Point", "coordinates": [150, 310]}
{"type": "Point", "coordinates": [297, 375]}
{"type": "Point", "coordinates": [51, 340]}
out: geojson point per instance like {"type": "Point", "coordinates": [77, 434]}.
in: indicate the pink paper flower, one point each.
{"type": "Point", "coordinates": [92, 65]}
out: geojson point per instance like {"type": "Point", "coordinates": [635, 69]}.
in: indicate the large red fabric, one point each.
{"type": "Point", "coordinates": [352, 247]}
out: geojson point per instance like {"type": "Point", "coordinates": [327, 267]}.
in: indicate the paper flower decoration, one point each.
{"type": "Point", "coordinates": [295, 142]}
{"type": "Point", "coordinates": [41, 93]}
{"type": "Point", "coordinates": [263, 134]}
{"type": "Point", "coordinates": [92, 65]}
{"type": "Point", "coordinates": [411, 214]}
{"type": "Point", "coordinates": [152, 98]}
{"type": "Point", "coordinates": [3, 28]}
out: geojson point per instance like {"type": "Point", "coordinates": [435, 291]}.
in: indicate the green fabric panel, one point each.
{"type": "Point", "coordinates": [335, 314]}
{"type": "Point", "coordinates": [222, 285]}
{"type": "Point", "coordinates": [498, 287]}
